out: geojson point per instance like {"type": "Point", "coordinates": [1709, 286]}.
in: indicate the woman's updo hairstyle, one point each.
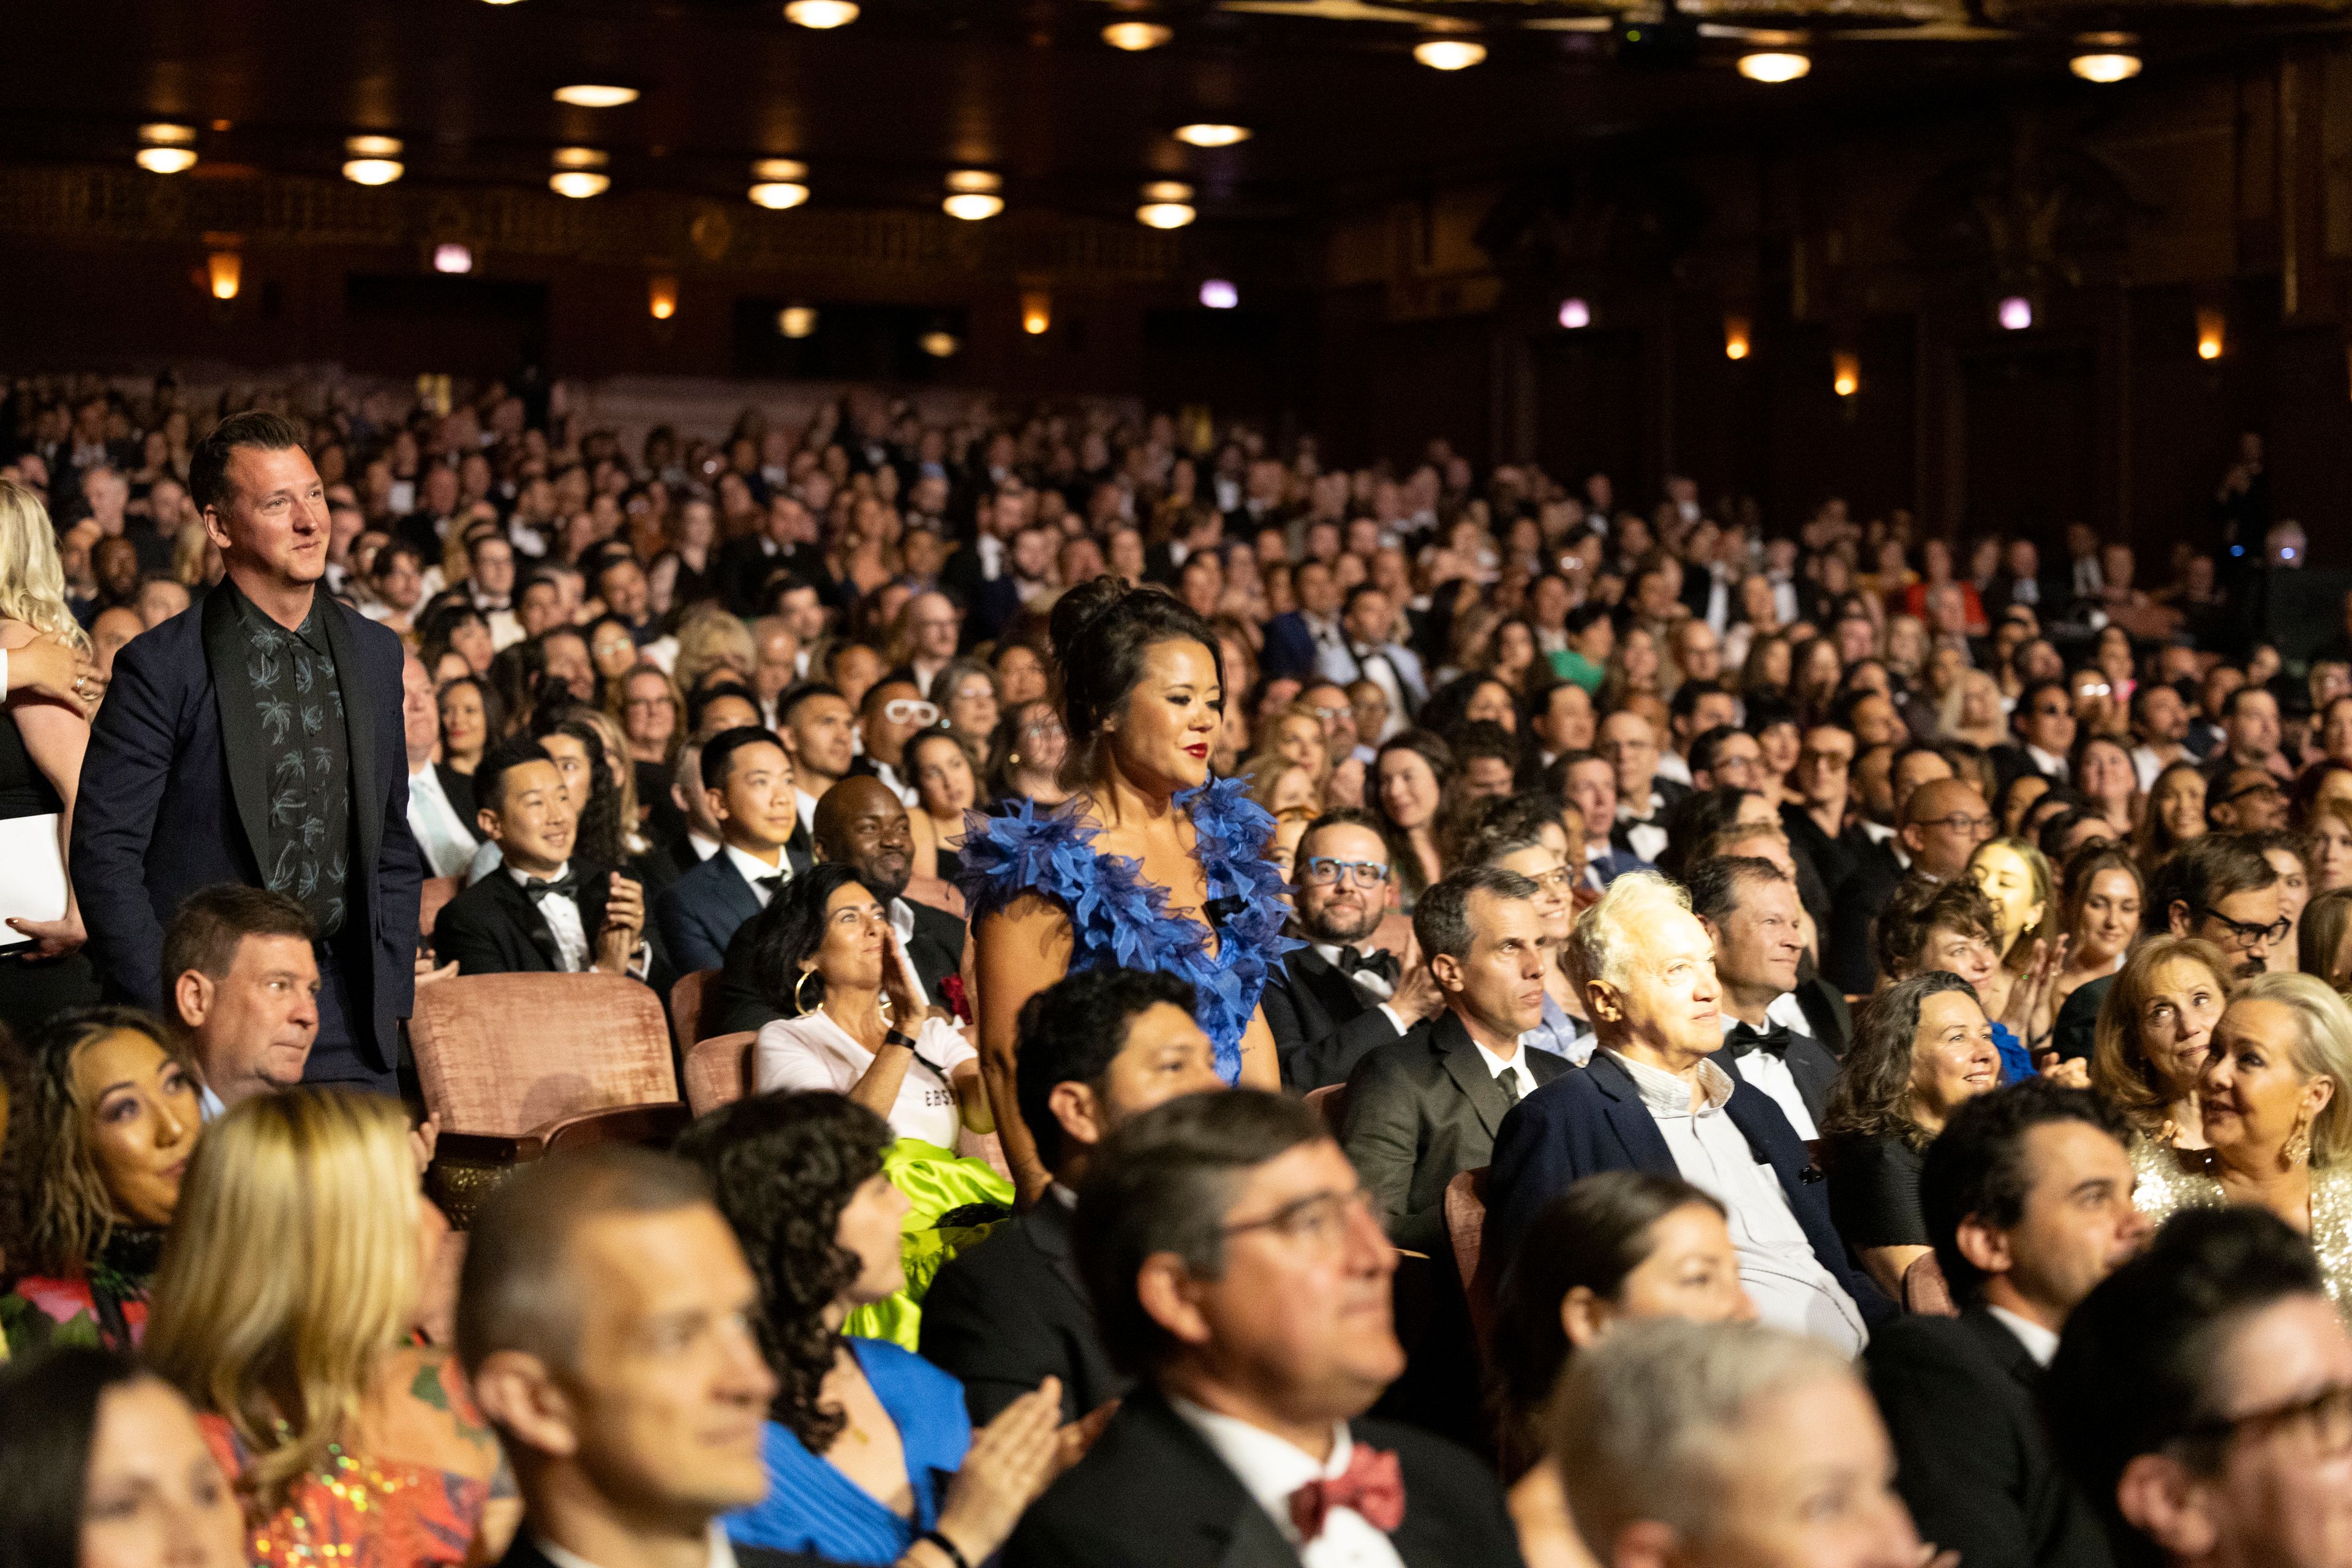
{"type": "Point", "coordinates": [1101, 630]}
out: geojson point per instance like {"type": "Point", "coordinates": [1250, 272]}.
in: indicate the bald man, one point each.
{"type": "Point", "coordinates": [1943, 822]}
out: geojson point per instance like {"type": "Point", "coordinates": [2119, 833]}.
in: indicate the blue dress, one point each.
{"type": "Point", "coordinates": [1118, 919]}
{"type": "Point", "coordinates": [814, 1508]}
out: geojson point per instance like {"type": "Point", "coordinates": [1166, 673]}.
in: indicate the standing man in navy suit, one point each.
{"type": "Point", "coordinates": [256, 738]}
{"type": "Point", "coordinates": [748, 784]}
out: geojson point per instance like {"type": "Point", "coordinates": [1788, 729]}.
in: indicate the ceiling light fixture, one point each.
{"type": "Point", "coordinates": [940, 346]}
{"type": "Point", "coordinates": [1846, 379]}
{"type": "Point", "coordinates": [1165, 215]}
{"type": "Point", "coordinates": [590, 95]}
{"type": "Point", "coordinates": [972, 195]}
{"type": "Point", "coordinates": [1575, 315]}
{"type": "Point", "coordinates": [167, 150]}
{"type": "Point", "coordinates": [2211, 333]}
{"type": "Point", "coordinates": [791, 171]}
{"type": "Point", "coordinates": [225, 272]}
{"type": "Point", "coordinates": [1210, 135]}
{"type": "Point", "coordinates": [2015, 313]}
{"type": "Point", "coordinates": [1218, 294]}
{"type": "Point", "coordinates": [580, 158]}
{"type": "Point", "coordinates": [1738, 341]}
{"type": "Point", "coordinates": [1774, 64]}
{"type": "Point", "coordinates": [373, 171]}
{"type": "Point", "coordinates": [778, 194]}
{"type": "Point", "coordinates": [797, 321]}
{"type": "Point", "coordinates": [1137, 37]}
{"type": "Point", "coordinates": [2105, 66]}
{"type": "Point", "coordinates": [1449, 54]}
{"type": "Point", "coordinates": [452, 256]}
{"type": "Point", "coordinates": [821, 15]}
{"type": "Point", "coordinates": [579, 183]}
{"type": "Point", "coordinates": [1037, 314]}
{"type": "Point", "coordinates": [661, 296]}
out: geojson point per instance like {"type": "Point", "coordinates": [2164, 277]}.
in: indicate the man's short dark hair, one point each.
{"type": "Point", "coordinates": [1977, 1165]}
{"type": "Point", "coordinates": [1716, 885]}
{"type": "Point", "coordinates": [2138, 1369]}
{"type": "Point", "coordinates": [1702, 750]}
{"type": "Point", "coordinates": [1485, 738]}
{"type": "Point", "coordinates": [208, 484]}
{"type": "Point", "coordinates": [1164, 1183]}
{"type": "Point", "coordinates": [1440, 918]}
{"type": "Point", "coordinates": [2201, 873]}
{"type": "Point", "coordinates": [2034, 689]}
{"type": "Point", "coordinates": [698, 702]}
{"type": "Point", "coordinates": [719, 751]}
{"type": "Point", "coordinates": [2231, 703]}
{"type": "Point", "coordinates": [790, 702]}
{"type": "Point", "coordinates": [1074, 1029]}
{"type": "Point", "coordinates": [1687, 696]}
{"type": "Point", "coordinates": [212, 922]}
{"type": "Point", "coordinates": [1340, 816]}
{"type": "Point", "coordinates": [490, 773]}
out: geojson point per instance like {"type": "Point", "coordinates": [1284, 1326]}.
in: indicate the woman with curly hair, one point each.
{"type": "Point", "coordinates": [861, 1435]}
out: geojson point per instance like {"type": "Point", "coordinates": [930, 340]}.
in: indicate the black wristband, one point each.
{"type": "Point", "coordinates": [939, 1539]}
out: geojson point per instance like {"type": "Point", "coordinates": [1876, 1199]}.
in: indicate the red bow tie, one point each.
{"type": "Point", "coordinates": [1372, 1485]}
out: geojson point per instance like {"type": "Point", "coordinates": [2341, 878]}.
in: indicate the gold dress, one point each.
{"type": "Point", "coordinates": [2174, 1179]}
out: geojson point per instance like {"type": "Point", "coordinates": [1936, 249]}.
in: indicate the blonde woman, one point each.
{"type": "Point", "coordinates": [44, 729]}
{"type": "Point", "coordinates": [286, 1310]}
{"type": "Point", "coordinates": [710, 637]}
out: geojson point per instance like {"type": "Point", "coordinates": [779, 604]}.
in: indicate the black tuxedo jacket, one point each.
{"type": "Point", "coordinates": [936, 951]}
{"type": "Point", "coordinates": [703, 909]}
{"type": "Point", "coordinates": [2012, 762]}
{"type": "Point", "coordinates": [745, 565]}
{"type": "Point", "coordinates": [1957, 1395]}
{"type": "Point", "coordinates": [1322, 1024]}
{"type": "Point", "coordinates": [1420, 1112]}
{"type": "Point", "coordinates": [525, 1553]}
{"type": "Point", "coordinates": [1848, 960]}
{"type": "Point", "coordinates": [1151, 1493]}
{"type": "Point", "coordinates": [1007, 1314]}
{"type": "Point", "coordinates": [493, 927]}
{"type": "Point", "coordinates": [173, 799]}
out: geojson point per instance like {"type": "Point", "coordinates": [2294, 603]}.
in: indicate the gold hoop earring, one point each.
{"type": "Point", "coordinates": [801, 1008]}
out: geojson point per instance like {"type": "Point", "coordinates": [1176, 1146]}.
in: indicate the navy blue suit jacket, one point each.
{"type": "Point", "coordinates": [174, 799]}
{"type": "Point", "coordinates": [1593, 1119]}
{"type": "Point", "coordinates": [699, 914]}
{"type": "Point", "coordinates": [1289, 646]}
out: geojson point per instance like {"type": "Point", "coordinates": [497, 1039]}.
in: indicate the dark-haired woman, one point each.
{"type": "Point", "coordinates": [107, 1468]}
{"type": "Point", "coordinates": [1149, 864]}
{"type": "Point", "coordinates": [862, 1436]}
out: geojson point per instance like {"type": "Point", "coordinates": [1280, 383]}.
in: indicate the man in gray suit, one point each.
{"type": "Point", "coordinates": [1424, 1109]}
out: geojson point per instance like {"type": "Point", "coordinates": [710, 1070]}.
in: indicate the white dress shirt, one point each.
{"type": "Point", "coordinates": [1647, 839]}
{"type": "Point", "coordinates": [1879, 833]}
{"type": "Point", "coordinates": [896, 786]}
{"type": "Point", "coordinates": [1270, 1468]}
{"type": "Point", "coordinates": [563, 917]}
{"type": "Point", "coordinates": [433, 821]}
{"type": "Point", "coordinates": [1523, 1082]}
{"type": "Point", "coordinates": [1770, 1073]}
{"type": "Point", "coordinates": [704, 849]}
{"type": "Point", "coordinates": [2054, 767]}
{"type": "Point", "coordinates": [2038, 1343]}
{"type": "Point", "coordinates": [1790, 1287]}
{"type": "Point", "coordinates": [807, 806]}
{"type": "Point", "coordinates": [752, 868]}
{"type": "Point", "coordinates": [1673, 764]}
{"type": "Point", "coordinates": [1368, 986]}
{"type": "Point", "coordinates": [812, 1051]}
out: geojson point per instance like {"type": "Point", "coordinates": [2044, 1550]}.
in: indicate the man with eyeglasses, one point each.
{"type": "Point", "coordinates": [2245, 799]}
{"type": "Point", "coordinates": [1335, 1000]}
{"type": "Point", "coordinates": [1943, 822]}
{"type": "Point", "coordinates": [1342, 739]}
{"type": "Point", "coordinates": [894, 712]}
{"type": "Point", "coordinates": [1238, 1271]}
{"type": "Point", "coordinates": [2045, 722]}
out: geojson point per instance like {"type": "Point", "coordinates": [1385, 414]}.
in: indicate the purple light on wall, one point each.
{"type": "Point", "coordinates": [2017, 312]}
{"type": "Point", "coordinates": [1219, 295]}
{"type": "Point", "coordinates": [452, 259]}
{"type": "Point", "coordinates": [1575, 314]}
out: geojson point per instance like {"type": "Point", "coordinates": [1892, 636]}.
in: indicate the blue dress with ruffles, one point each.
{"type": "Point", "coordinates": [1116, 918]}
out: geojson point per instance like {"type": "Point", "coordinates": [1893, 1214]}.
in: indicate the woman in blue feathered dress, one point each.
{"type": "Point", "coordinates": [1149, 866]}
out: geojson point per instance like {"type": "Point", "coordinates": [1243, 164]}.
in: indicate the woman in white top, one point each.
{"type": "Point", "coordinates": [829, 960]}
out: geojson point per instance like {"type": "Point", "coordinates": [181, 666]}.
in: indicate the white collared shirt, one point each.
{"type": "Point", "coordinates": [1647, 839]}
{"type": "Point", "coordinates": [1770, 1073]}
{"type": "Point", "coordinates": [1368, 986]}
{"type": "Point", "coordinates": [1790, 1287]}
{"type": "Point", "coordinates": [722, 1551]}
{"type": "Point", "coordinates": [1271, 1468]}
{"type": "Point", "coordinates": [433, 821]}
{"type": "Point", "coordinates": [894, 784]}
{"type": "Point", "coordinates": [1879, 833]}
{"type": "Point", "coordinates": [704, 849]}
{"type": "Point", "coordinates": [806, 803]}
{"type": "Point", "coordinates": [1673, 764]}
{"type": "Point", "coordinates": [1516, 1070]}
{"type": "Point", "coordinates": [2039, 1344]}
{"type": "Point", "coordinates": [563, 917]}
{"type": "Point", "coordinates": [2053, 767]}
{"type": "Point", "coordinates": [752, 868]}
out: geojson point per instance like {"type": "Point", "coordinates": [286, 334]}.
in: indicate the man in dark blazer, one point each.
{"type": "Point", "coordinates": [747, 785]}
{"type": "Point", "coordinates": [1651, 1099]}
{"type": "Point", "coordinates": [257, 739]}
{"type": "Point", "coordinates": [2028, 1197]}
{"type": "Point", "coordinates": [1258, 1341]}
{"type": "Point", "coordinates": [1097, 1049]}
{"type": "Point", "coordinates": [1771, 1039]}
{"type": "Point", "coordinates": [538, 911]}
{"type": "Point", "coordinates": [1295, 639]}
{"type": "Point", "coordinates": [2044, 724]}
{"type": "Point", "coordinates": [1332, 1002]}
{"type": "Point", "coordinates": [1422, 1110]}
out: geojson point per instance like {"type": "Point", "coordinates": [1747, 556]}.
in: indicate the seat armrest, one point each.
{"type": "Point", "coordinates": [466, 1167]}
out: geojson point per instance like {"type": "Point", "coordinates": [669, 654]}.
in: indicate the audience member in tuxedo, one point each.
{"type": "Point", "coordinates": [1331, 1002]}
{"type": "Point", "coordinates": [107, 1469]}
{"type": "Point", "coordinates": [1728, 1446]}
{"type": "Point", "coordinates": [1643, 798]}
{"type": "Point", "coordinates": [244, 972]}
{"type": "Point", "coordinates": [1652, 1100]}
{"type": "Point", "coordinates": [2201, 1397]}
{"type": "Point", "coordinates": [2028, 1196]}
{"type": "Point", "coordinates": [2045, 722]}
{"type": "Point", "coordinates": [695, 835]}
{"type": "Point", "coordinates": [1424, 1108]}
{"type": "Point", "coordinates": [1618, 1247]}
{"type": "Point", "coordinates": [819, 729]}
{"type": "Point", "coordinates": [720, 703]}
{"type": "Point", "coordinates": [1588, 781]}
{"type": "Point", "coordinates": [1922, 1048]}
{"type": "Point", "coordinates": [1784, 1040]}
{"type": "Point", "coordinates": [893, 714]}
{"type": "Point", "coordinates": [1943, 822]}
{"type": "Point", "coordinates": [1297, 641]}
{"type": "Point", "coordinates": [1239, 1273]}
{"type": "Point", "coordinates": [747, 787]}
{"type": "Point", "coordinates": [541, 912]}
{"type": "Point", "coordinates": [1097, 1049]}
{"type": "Point", "coordinates": [440, 825]}
{"type": "Point", "coordinates": [860, 823]}
{"type": "Point", "coordinates": [862, 1436]}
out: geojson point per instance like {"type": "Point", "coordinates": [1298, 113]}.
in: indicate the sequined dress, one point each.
{"type": "Point", "coordinates": [2174, 1179]}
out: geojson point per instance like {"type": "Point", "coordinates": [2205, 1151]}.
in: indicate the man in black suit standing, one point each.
{"type": "Point", "coordinates": [1097, 1049]}
{"type": "Point", "coordinates": [257, 739]}
{"type": "Point", "coordinates": [1783, 1039]}
{"type": "Point", "coordinates": [1422, 1110]}
{"type": "Point", "coordinates": [2028, 1197]}
{"type": "Point", "coordinates": [539, 912]}
{"type": "Point", "coordinates": [1238, 1272]}
{"type": "Point", "coordinates": [1332, 1002]}
{"type": "Point", "coordinates": [746, 783]}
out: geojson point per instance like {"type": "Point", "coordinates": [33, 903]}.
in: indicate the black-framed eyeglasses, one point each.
{"type": "Point", "coordinates": [1322, 871]}
{"type": "Point", "coordinates": [1961, 822]}
{"type": "Point", "coordinates": [2326, 1415]}
{"type": "Point", "coordinates": [1320, 1220]}
{"type": "Point", "coordinates": [2266, 787]}
{"type": "Point", "coordinates": [2246, 935]}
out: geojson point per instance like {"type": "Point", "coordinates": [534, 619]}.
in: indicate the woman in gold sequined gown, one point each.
{"type": "Point", "coordinates": [2275, 1098]}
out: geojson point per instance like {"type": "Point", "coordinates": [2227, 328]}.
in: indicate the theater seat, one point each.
{"type": "Point", "coordinates": [686, 1012]}
{"type": "Point", "coordinates": [438, 890]}
{"type": "Point", "coordinates": [1926, 1292]}
{"type": "Point", "coordinates": [516, 1066]}
{"type": "Point", "coordinates": [1465, 1227]}
{"type": "Point", "coordinates": [719, 1069]}
{"type": "Point", "coordinates": [1328, 1103]}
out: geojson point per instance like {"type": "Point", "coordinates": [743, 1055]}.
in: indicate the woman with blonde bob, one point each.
{"type": "Point", "coordinates": [285, 1310]}
{"type": "Point", "coordinates": [2155, 1027]}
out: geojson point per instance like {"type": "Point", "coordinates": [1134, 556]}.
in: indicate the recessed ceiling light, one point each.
{"type": "Point", "coordinates": [940, 346]}
{"type": "Point", "coordinates": [1774, 64]}
{"type": "Point", "coordinates": [972, 206]}
{"type": "Point", "coordinates": [163, 136]}
{"type": "Point", "coordinates": [779, 195]}
{"type": "Point", "coordinates": [580, 158]}
{"type": "Point", "coordinates": [1218, 294]}
{"type": "Point", "coordinates": [790, 169]}
{"type": "Point", "coordinates": [372, 146]}
{"type": "Point", "coordinates": [1165, 215]}
{"type": "Point", "coordinates": [1210, 135]}
{"type": "Point", "coordinates": [1575, 314]}
{"type": "Point", "coordinates": [590, 95]}
{"type": "Point", "coordinates": [1449, 54]}
{"type": "Point", "coordinates": [820, 14]}
{"type": "Point", "coordinates": [796, 321]}
{"type": "Point", "coordinates": [579, 183]}
{"type": "Point", "coordinates": [1167, 191]}
{"type": "Point", "coordinates": [1135, 36]}
{"type": "Point", "coordinates": [451, 257]}
{"type": "Point", "coordinates": [373, 171]}
{"type": "Point", "coordinates": [166, 160]}
{"type": "Point", "coordinates": [2105, 67]}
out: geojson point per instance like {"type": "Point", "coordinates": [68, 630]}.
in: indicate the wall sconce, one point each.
{"type": "Point", "coordinates": [224, 274]}
{"type": "Point", "coordinates": [2211, 335]}
{"type": "Point", "coordinates": [2015, 314]}
{"type": "Point", "coordinates": [1737, 343]}
{"type": "Point", "coordinates": [1846, 374]}
{"type": "Point", "coordinates": [1575, 315]}
{"type": "Point", "coordinates": [661, 296]}
{"type": "Point", "coordinates": [1036, 313]}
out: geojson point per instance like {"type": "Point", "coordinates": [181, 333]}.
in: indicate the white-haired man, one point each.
{"type": "Point", "coordinates": [1650, 1100]}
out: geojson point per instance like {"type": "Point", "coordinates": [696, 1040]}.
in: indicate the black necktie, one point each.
{"type": "Point", "coordinates": [772, 884]}
{"type": "Point", "coordinates": [1509, 1079]}
{"type": "Point", "coordinates": [1773, 1041]}
{"type": "Point", "coordinates": [566, 886]}
{"type": "Point", "coordinates": [1376, 962]}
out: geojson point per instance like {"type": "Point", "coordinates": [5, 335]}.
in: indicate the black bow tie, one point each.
{"type": "Point", "coordinates": [1746, 1037]}
{"type": "Point", "coordinates": [566, 886]}
{"type": "Point", "coordinates": [773, 884]}
{"type": "Point", "coordinates": [1352, 959]}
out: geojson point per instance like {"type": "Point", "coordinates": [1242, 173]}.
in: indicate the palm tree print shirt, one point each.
{"type": "Point", "coordinates": [290, 677]}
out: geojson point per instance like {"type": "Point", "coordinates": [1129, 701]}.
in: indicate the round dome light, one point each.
{"type": "Point", "coordinates": [1137, 37]}
{"type": "Point", "coordinates": [2105, 67]}
{"type": "Point", "coordinates": [2016, 314]}
{"type": "Point", "coordinates": [1165, 215]}
{"type": "Point", "coordinates": [821, 15]}
{"type": "Point", "coordinates": [791, 171]}
{"type": "Point", "coordinates": [1774, 64]}
{"type": "Point", "coordinates": [1218, 294]}
{"type": "Point", "coordinates": [796, 321]}
{"type": "Point", "coordinates": [1449, 54]}
{"type": "Point", "coordinates": [778, 194]}
{"type": "Point", "coordinates": [579, 183]}
{"type": "Point", "coordinates": [373, 171]}
{"type": "Point", "coordinates": [166, 160]}
{"type": "Point", "coordinates": [592, 95]}
{"type": "Point", "coordinates": [1210, 135]}
{"type": "Point", "coordinates": [1575, 314]}
{"type": "Point", "coordinates": [940, 346]}
{"type": "Point", "coordinates": [972, 206]}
